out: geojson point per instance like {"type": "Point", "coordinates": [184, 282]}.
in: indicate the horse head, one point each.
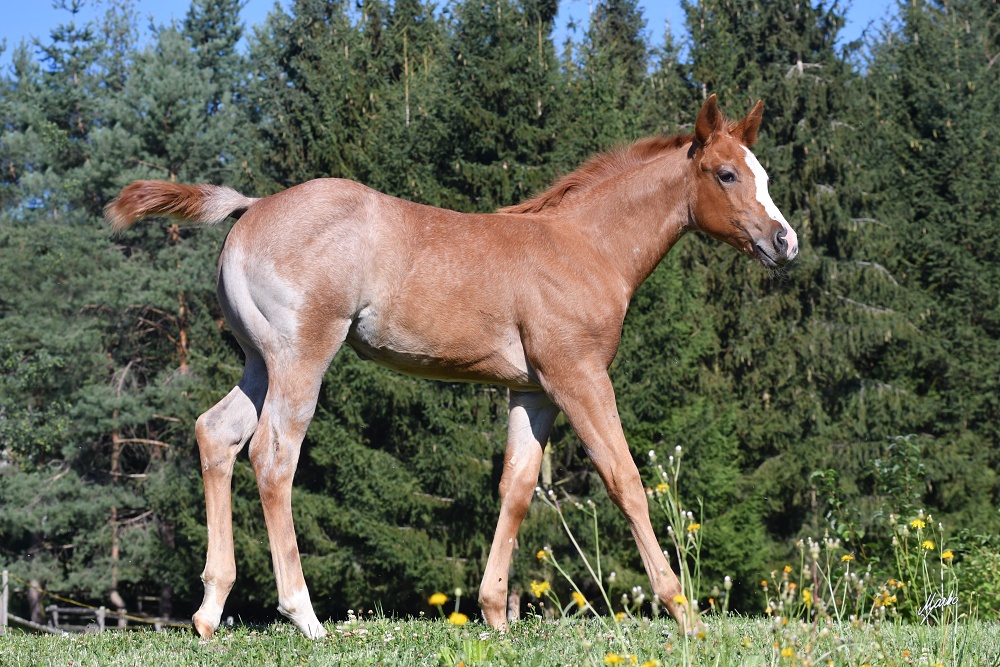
{"type": "Point", "coordinates": [729, 200]}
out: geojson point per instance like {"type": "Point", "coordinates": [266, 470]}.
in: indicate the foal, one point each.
{"type": "Point", "coordinates": [531, 298]}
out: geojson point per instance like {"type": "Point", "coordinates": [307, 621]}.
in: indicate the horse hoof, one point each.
{"type": "Point", "coordinates": [204, 629]}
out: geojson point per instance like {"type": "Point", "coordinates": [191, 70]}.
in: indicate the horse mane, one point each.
{"type": "Point", "coordinates": [598, 169]}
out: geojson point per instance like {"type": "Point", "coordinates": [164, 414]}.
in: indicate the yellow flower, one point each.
{"type": "Point", "coordinates": [807, 598]}
{"type": "Point", "coordinates": [651, 663]}
{"type": "Point", "coordinates": [620, 616]}
{"type": "Point", "coordinates": [788, 568]}
{"type": "Point", "coordinates": [437, 599]}
{"type": "Point", "coordinates": [458, 618]}
{"type": "Point", "coordinates": [613, 659]}
{"type": "Point", "coordinates": [763, 583]}
{"type": "Point", "coordinates": [918, 524]}
{"type": "Point", "coordinates": [927, 544]}
{"type": "Point", "coordinates": [680, 599]}
{"type": "Point", "coordinates": [579, 599]}
{"type": "Point", "coordinates": [947, 555]}
{"type": "Point", "coordinates": [846, 558]}
{"type": "Point", "coordinates": [693, 527]}
{"type": "Point", "coordinates": [632, 659]}
{"type": "Point", "coordinates": [542, 555]}
{"type": "Point", "coordinates": [787, 652]}
{"type": "Point", "coordinates": [540, 588]}
{"type": "Point", "coordinates": [662, 488]}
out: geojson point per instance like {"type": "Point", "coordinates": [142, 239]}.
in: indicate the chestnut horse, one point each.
{"type": "Point", "coordinates": [531, 298]}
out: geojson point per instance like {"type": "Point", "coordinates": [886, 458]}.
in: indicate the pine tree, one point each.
{"type": "Point", "coordinates": [120, 329]}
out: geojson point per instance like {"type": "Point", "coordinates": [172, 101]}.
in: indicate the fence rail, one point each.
{"type": "Point", "coordinates": [58, 615]}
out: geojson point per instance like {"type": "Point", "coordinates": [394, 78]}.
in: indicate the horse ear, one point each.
{"type": "Point", "coordinates": [709, 120]}
{"type": "Point", "coordinates": [746, 129]}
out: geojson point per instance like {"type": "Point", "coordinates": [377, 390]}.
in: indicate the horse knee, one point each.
{"type": "Point", "coordinates": [625, 488]}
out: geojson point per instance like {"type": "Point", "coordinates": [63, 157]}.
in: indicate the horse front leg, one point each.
{"type": "Point", "coordinates": [587, 398]}
{"type": "Point", "coordinates": [531, 418]}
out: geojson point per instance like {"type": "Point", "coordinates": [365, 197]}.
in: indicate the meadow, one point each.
{"type": "Point", "coordinates": [377, 640]}
{"type": "Point", "coordinates": [822, 611]}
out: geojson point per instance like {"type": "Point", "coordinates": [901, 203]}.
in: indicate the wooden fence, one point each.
{"type": "Point", "coordinates": [74, 619]}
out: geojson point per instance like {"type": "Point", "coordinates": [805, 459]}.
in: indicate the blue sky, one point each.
{"type": "Point", "coordinates": [23, 19]}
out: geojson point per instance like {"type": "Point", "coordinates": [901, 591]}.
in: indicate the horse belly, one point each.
{"type": "Point", "coordinates": [464, 354]}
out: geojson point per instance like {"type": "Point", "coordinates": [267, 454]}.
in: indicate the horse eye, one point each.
{"type": "Point", "coordinates": [727, 176]}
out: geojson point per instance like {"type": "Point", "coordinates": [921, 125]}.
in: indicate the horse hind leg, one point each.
{"type": "Point", "coordinates": [294, 384]}
{"type": "Point", "coordinates": [222, 432]}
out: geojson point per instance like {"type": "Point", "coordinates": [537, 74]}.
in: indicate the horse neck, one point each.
{"type": "Point", "coordinates": [636, 217]}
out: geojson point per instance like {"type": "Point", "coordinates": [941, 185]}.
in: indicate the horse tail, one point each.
{"type": "Point", "coordinates": [201, 204]}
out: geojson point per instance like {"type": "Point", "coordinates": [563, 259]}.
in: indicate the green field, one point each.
{"type": "Point", "coordinates": [387, 641]}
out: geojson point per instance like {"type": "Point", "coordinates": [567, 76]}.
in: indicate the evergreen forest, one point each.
{"type": "Point", "coordinates": [860, 385]}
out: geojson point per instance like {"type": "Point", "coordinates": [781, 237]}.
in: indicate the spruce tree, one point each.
{"type": "Point", "coordinates": [808, 360]}
{"type": "Point", "coordinates": [935, 150]}
{"type": "Point", "coordinates": [503, 85]}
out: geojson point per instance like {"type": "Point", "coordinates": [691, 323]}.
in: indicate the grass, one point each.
{"type": "Point", "coordinates": [730, 640]}
{"type": "Point", "coordinates": [824, 611]}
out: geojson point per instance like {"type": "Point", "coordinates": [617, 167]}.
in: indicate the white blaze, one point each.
{"type": "Point", "coordinates": [760, 178]}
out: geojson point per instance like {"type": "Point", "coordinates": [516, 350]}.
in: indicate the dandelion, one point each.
{"type": "Point", "coordinates": [662, 488]}
{"type": "Point", "coordinates": [680, 599]}
{"type": "Point", "coordinates": [693, 527]}
{"type": "Point", "coordinates": [540, 588]}
{"type": "Point", "coordinates": [846, 558]}
{"type": "Point", "coordinates": [542, 555]}
{"type": "Point", "coordinates": [763, 583]}
{"type": "Point", "coordinates": [807, 598]}
{"type": "Point", "coordinates": [614, 659]}
{"type": "Point", "coordinates": [918, 524]}
{"type": "Point", "coordinates": [787, 652]}
{"type": "Point", "coordinates": [620, 616]}
{"type": "Point", "coordinates": [579, 599]}
{"type": "Point", "coordinates": [437, 599]}
{"type": "Point", "coordinates": [927, 544]}
{"type": "Point", "coordinates": [788, 568]}
{"type": "Point", "coordinates": [947, 555]}
{"type": "Point", "coordinates": [651, 663]}
{"type": "Point", "coordinates": [458, 618]}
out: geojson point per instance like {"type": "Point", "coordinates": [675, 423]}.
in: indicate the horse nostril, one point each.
{"type": "Point", "coordinates": [780, 243]}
